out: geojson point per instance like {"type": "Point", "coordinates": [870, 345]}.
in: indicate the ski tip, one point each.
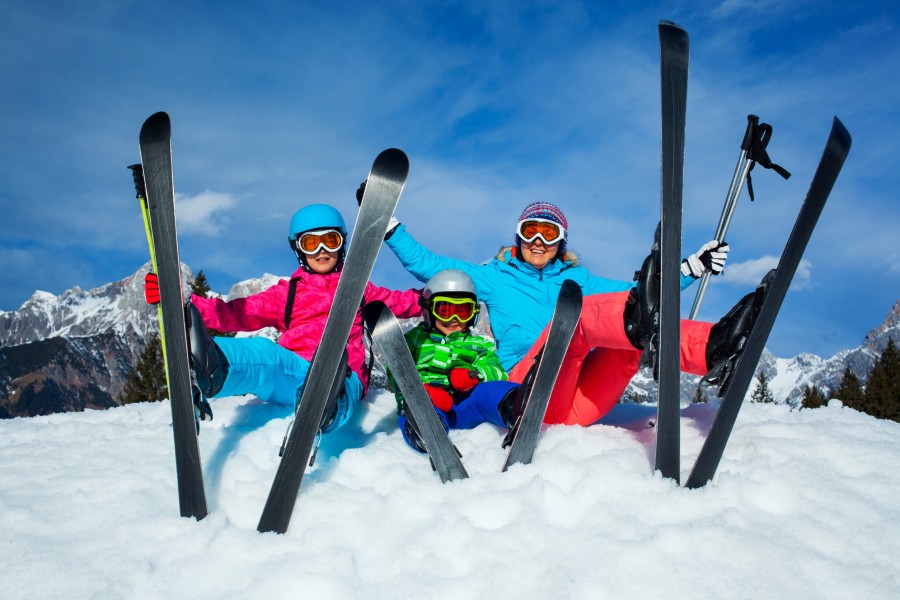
{"type": "Point", "coordinates": [372, 313]}
{"type": "Point", "coordinates": [840, 133]}
{"type": "Point", "coordinates": [572, 289]}
{"type": "Point", "coordinates": [672, 27]}
{"type": "Point", "coordinates": [392, 160]}
{"type": "Point", "coordinates": [157, 127]}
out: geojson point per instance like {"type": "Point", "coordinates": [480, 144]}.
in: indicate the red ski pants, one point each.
{"type": "Point", "coordinates": [601, 361]}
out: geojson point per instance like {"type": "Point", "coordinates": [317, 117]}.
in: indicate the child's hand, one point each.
{"type": "Point", "coordinates": [440, 397]}
{"type": "Point", "coordinates": [462, 379]}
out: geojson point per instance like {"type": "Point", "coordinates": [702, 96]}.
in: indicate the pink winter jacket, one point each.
{"type": "Point", "coordinates": [314, 295]}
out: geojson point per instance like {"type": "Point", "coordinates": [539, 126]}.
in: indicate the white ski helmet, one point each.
{"type": "Point", "coordinates": [451, 283]}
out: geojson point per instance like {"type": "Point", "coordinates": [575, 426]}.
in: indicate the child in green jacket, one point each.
{"type": "Point", "coordinates": [461, 371]}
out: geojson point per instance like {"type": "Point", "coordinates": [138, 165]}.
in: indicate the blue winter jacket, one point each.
{"type": "Point", "coordinates": [519, 298]}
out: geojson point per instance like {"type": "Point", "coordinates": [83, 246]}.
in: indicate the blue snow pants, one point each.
{"type": "Point", "coordinates": [479, 406]}
{"type": "Point", "coordinates": [261, 367]}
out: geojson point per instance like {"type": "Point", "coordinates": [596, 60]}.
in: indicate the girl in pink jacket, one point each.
{"type": "Point", "coordinates": [297, 308]}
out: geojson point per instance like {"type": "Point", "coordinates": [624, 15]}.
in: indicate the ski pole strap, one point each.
{"type": "Point", "coordinates": [289, 306]}
{"type": "Point", "coordinates": [756, 139]}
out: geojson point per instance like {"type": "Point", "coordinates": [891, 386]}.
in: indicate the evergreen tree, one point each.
{"type": "Point", "coordinates": [147, 381]}
{"type": "Point", "coordinates": [200, 285]}
{"type": "Point", "coordinates": [762, 393]}
{"type": "Point", "coordinates": [813, 397]}
{"type": "Point", "coordinates": [699, 396]}
{"type": "Point", "coordinates": [850, 392]}
{"type": "Point", "coordinates": [883, 386]}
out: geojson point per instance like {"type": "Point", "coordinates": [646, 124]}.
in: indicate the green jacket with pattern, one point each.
{"type": "Point", "coordinates": [436, 355]}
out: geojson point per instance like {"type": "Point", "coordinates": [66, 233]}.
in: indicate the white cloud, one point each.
{"type": "Point", "coordinates": [750, 272]}
{"type": "Point", "coordinates": [205, 213]}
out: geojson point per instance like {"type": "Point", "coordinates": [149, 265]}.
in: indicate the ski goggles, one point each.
{"type": "Point", "coordinates": [446, 309]}
{"type": "Point", "coordinates": [312, 242]}
{"type": "Point", "coordinates": [549, 231]}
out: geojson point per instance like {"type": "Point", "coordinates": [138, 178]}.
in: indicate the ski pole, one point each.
{"type": "Point", "coordinates": [753, 150]}
{"type": "Point", "coordinates": [137, 171]}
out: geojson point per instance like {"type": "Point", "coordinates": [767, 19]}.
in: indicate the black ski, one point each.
{"type": "Point", "coordinates": [524, 434]}
{"type": "Point", "coordinates": [387, 335]}
{"type": "Point", "coordinates": [777, 284]}
{"type": "Point", "coordinates": [385, 182]}
{"type": "Point", "coordinates": [156, 157]}
{"type": "Point", "coordinates": [674, 54]}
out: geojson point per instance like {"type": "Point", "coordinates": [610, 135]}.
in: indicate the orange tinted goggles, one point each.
{"type": "Point", "coordinates": [549, 231]}
{"type": "Point", "coordinates": [312, 242]}
{"type": "Point", "coordinates": [461, 309]}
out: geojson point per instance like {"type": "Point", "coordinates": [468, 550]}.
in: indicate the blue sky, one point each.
{"type": "Point", "coordinates": [278, 104]}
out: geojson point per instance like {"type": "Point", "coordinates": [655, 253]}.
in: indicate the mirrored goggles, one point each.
{"type": "Point", "coordinates": [446, 309]}
{"type": "Point", "coordinates": [312, 242]}
{"type": "Point", "coordinates": [549, 231]}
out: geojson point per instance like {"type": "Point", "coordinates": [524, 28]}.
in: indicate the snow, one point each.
{"type": "Point", "coordinates": [804, 505]}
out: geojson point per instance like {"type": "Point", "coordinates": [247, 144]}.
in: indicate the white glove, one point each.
{"type": "Point", "coordinates": [709, 258]}
{"type": "Point", "coordinates": [393, 224]}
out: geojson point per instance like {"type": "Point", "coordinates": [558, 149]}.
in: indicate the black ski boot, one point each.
{"type": "Point", "coordinates": [728, 337]}
{"type": "Point", "coordinates": [511, 406]}
{"type": "Point", "coordinates": [207, 361]}
{"type": "Point", "coordinates": [412, 434]}
{"type": "Point", "coordinates": [642, 310]}
{"type": "Point", "coordinates": [202, 409]}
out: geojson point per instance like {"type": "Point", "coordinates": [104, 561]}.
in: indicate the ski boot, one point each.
{"type": "Point", "coordinates": [208, 363]}
{"type": "Point", "coordinates": [202, 409]}
{"type": "Point", "coordinates": [411, 434]}
{"type": "Point", "coordinates": [410, 430]}
{"type": "Point", "coordinates": [642, 311]}
{"type": "Point", "coordinates": [512, 405]}
{"type": "Point", "coordinates": [729, 336]}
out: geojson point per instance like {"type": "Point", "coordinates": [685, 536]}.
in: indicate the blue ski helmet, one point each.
{"type": "Point", "coordinates": [311, 218]}
{"type": "Point", "coordinates": [316, 216]}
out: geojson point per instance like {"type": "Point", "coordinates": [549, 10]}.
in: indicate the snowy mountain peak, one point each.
{"type": "Point", "coordinates": [117, 311]}
{"type": "Point", "coordinates": [117, 307]}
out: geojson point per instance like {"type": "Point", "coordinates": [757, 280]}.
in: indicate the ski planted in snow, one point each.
{"type": "Point", "coordinates": [383, 187]}
{"type": "Point", "coordinates": [736, 374]}
{"type": "Point", "coordinates": [387, 335]}
{"type": "Point", "coordinates": [156, 159]}
{"type": "Point", "coordinates": [523, 436]}
{"type": "Point", "coordinates": [674, 56]}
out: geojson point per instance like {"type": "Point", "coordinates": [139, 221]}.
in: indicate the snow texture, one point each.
{"type": "Point", "coordinates": [804, 505]}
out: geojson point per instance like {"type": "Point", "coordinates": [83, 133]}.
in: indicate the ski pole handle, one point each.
{"type": "Point", "coordinates": [138, 172]}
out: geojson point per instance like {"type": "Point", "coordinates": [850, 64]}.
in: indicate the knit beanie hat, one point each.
{"type": "Point", "coordinates": [545, 210]}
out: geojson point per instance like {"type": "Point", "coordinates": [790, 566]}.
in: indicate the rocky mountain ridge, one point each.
{"type": "Point", "coordinates": [74, 351]}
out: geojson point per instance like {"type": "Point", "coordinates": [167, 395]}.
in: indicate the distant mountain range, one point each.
{"type": "Point", "coordinates": [74, 351]}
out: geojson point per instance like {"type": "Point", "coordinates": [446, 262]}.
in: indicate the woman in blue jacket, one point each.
{"type": "Point", "coordinates": [520, 286]}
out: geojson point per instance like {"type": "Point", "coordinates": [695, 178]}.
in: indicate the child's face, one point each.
{"type": "Point", "coordinates": [323, 262]}
{"type": "Point", "coordinates": [448, 327]}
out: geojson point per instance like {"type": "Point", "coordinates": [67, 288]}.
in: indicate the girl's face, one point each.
{"type": "Point", "coordinates": [323, 262]}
